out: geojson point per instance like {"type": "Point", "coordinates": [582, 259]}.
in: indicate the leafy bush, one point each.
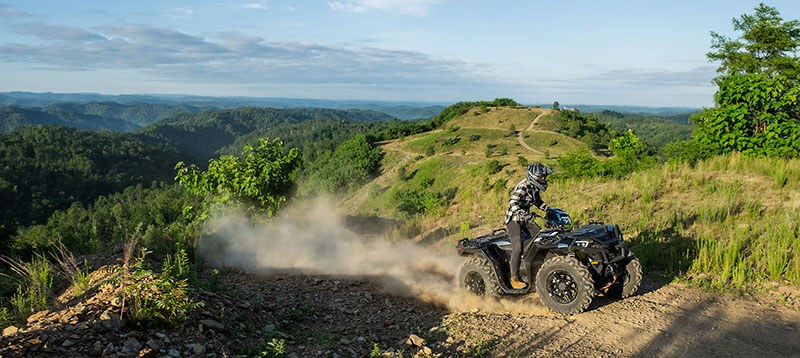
{"type": "Point", "coordinates": [522, 161]}
{"type": "Point", "coordinates": [754, 114]}
{"type": "Point", "coordinates": [586, 128]}
{"type": "Point", "coordinates": [451, 140]}
{"type": "Point", "coordinates": [351, 165]}
{"type": "Point", "coordinates": [416, 201]}
{"type": "Point", "coordinates": [493, 166]}
{"type": "Point", "coordinates": [153, 300]}
{"type": "Point", "coordinates": [261, 179]}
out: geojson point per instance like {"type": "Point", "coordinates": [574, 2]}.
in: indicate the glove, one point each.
{"type": "Point", "coordinates": [544, 207]}
{"type": "Point", "coordinates": [523, 217]}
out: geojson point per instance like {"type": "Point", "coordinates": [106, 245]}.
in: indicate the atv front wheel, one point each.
{"type": "Point", "coordinates": [564, 285]}
{"type": "Point", "coordinates": [478, 277]}
{"type": "Point", "coordinates": [630, 281]}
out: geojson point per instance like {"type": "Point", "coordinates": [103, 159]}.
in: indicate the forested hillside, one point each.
{"type": "Point", "coordinates": [43, 169]}
{"type": "Point", "coordinates": [654, 131]}
{"type": "Point", "coordinates": [138, 113]}
{"type": "Point", "coordinates": [200, 135]}
{"type": "Point", "coordinates": [12, 116]}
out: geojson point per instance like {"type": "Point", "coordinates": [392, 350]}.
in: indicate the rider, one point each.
{"type": "Point", "coordinates": [518, 217]}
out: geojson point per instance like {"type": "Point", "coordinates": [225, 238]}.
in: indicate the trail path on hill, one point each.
{"type": "Point", "coordinates": [530, 128]}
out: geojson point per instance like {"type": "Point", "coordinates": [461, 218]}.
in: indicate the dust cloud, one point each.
{"type": "Point", "coordinates": [312, 239]}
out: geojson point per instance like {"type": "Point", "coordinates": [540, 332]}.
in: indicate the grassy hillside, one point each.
{"type": "Point", "coordinates": [729, 222]}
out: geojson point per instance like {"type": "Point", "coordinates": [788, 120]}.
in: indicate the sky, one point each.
{"type": "Point", "coordinates": [625, 52]}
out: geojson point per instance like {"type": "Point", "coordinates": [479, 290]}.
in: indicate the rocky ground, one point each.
{"type": "Point", "coordinates": [248, 314]}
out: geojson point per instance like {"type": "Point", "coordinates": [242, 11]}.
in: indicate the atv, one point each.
{"type": "Point", "coordinates": [566, 267]}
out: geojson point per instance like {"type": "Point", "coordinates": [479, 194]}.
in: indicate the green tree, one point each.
{"type": "Point", "coordinates": [754, 114]}
{"type": "Point", "coordinates": [556, 106]}
{"type": "Point", "coordinates": [767, 45]}
{"type": "Point", "coordinates": [756, 107]}
{"type": "Point", "coordinates": [350, 166]}
{"type": "Point", "coordinates": [261, 178]}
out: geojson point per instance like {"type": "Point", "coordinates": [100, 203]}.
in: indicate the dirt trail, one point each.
{"type": "Point", "coordinates": [669, 320]}
{"type": "Point", "coordinates": [530, 128]}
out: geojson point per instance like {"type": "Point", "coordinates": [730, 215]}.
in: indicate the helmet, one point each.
{"type": "Point", "coordinates": [537, 174]}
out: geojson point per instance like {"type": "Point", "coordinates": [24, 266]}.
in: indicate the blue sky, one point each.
{"type": "Point", "coordinates": [576, 52]}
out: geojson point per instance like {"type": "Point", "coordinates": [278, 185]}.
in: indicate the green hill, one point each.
{"type": "Point", "coordinates": [13, 116]}
{"type": "Point", "coordinates": [201, 135]}
{"type": "Point", "coordinates": [138, 113]}
{"type": "Point", "coordinates": [730, 222]}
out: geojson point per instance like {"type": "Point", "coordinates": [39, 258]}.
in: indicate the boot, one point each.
{"type": "Point", "coordinates": [517, 284]}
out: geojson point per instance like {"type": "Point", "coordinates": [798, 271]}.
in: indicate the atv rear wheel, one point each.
{"type": "Point", "coordinates": [630, 281]}
{"type": "Point", "coordinates": [564, 285]}
{"type": "Point", "coordinates": [477, 276]}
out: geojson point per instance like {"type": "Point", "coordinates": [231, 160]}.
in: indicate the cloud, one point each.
{"type": "Point", "coordinates": [234, 58]}
{"type": "Point", "coordinates": [256, 5]}
{"type": "Point", "coordinates": [699, 76]}
{"type": "Point", "coordinates": [401, 7]}
{"type": "Point", "coordinates": [57, 32]}
{"type": "Point", "coordinates": [179, 13]}
{"type": "Point", "coordinates": [9, 11]}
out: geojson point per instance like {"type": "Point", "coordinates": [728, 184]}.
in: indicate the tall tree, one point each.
{"type": "Point", "coordinates": [757, 110]}
{"type": "Point", "coordinates": [768, 45]}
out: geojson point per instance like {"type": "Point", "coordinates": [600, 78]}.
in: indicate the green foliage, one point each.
{"type": "Point", "coordinates": [430, 150]}
{"type": "Point", "coordinates": [654, 131]}
{"type": "Point", "coordinates": [274, 348]}
{"type": "Point", "coordinates": [35, 287]}
{"type": "Point", "coordinates": [556, 106]}
{"type": "Point", "coordinates": [12, 117]}
{"type": "Point", "coordinates": [376, 351]}
{"type": "Point", "coordinates": [451, 140]}
{"type": "Point", "coordinates": [493, 166]}
{"type": "Point", "coordinates": [261, 179]}
{"type": "Point", "coordinates": [629, 156]}
{"type": "Point", "coordinates": [474, 137]}
{"type": "Point", "coordinates": [754, 114]}
{"type": "Point", "coordinates": [522, 161]}
{"type": "Point", "coordinates": [578, 164]}
{"type": "Point", "coordinates": [586, 128]}
{"type": "Point", "coordinates": [688, 151]}
{"type": "Point", "coordinates": [154, 300]}
{"type": "Point", "coordinates": [44, 169]}
{"type": "Point", "coordinates": [203, 136]}
{"type": "Point", "coordinates": [158, 215]}
{"type": "Point", "coordinates": [768, 45]}
{"type": "Point", "coordinates": [177, 265]}
{"type": "Point", "coordinates": [416, 201]}
{"type": "Point", "coordinates": [512, 130]}
{"type": "Point", "coordinates": [350, 166]}
{"type": "Point", "coordinates": [6, 317]}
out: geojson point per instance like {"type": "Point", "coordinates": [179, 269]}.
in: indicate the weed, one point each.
{"type": "Point", "coordinates": [275, 347]}
{"type": "Point", "coordinates": [34, 291]}
{"type": "Point", "coordinates": [69, 266]}
{"type": "Point", "coordinates": [151, 299]}
{"type": "Point", "coordinates": [6, 317]}
{"type": "Point", "coordinates": [480, 349]}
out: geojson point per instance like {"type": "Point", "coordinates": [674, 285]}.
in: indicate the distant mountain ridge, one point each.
{"type": "Point", "coordinates": [397, 109]}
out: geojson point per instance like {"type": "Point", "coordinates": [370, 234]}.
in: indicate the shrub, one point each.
{"type": "Point", "coordinates": [153, 300]}
{"type": "Point", "coordinates": [522, 161]}
{"type": "Point", "coordinates": [36, 282]}
{"type": "Point", "coordinates": [493, 167]}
